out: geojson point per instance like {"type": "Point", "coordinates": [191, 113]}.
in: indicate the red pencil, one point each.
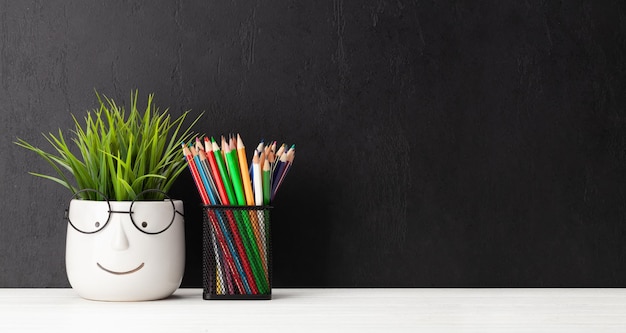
{"type": "Point", "coordinates": [215, 172]}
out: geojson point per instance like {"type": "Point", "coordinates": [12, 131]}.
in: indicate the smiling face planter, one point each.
{"type": "Point", "coordinates": [123, 250]}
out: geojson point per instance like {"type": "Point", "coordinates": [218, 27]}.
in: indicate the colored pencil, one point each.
{"type": "Point", "coordinates": [258, 148]}
{"type": "Point", "coordinates": [195, 175]}
{"type": "Point", "coordinates": [203, 176]}
{"type": "Point", "coordinates": [206, 167]}
{"type": "Point", "coordinates": [254, 216]}
{"type": "Point", "coordinates": [288, 159]}
{"type": "Point", "coordinates": [277, 154]}
{"type": "Point", "coordinates": [245, 176]}
{"type": "Point", "coordinates": [277, 173]}
{"type": "Point", "coordinates": [267, 182]}
{"type": "Point", "coordinates": [228, 185]}
{"type": "Point", "coordinates": [258, 180]}
{"type": "Point", "coordinates": [215, 173]}
{"type": "Point", "coordinates": [258, 200]}
{"type": "Point", "coordinates": [232, 163]}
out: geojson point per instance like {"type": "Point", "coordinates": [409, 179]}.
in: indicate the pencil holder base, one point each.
{"type": "Point", "coordinates": [236, 256]}
{"type": "Point", "coordinates": [209, 296]}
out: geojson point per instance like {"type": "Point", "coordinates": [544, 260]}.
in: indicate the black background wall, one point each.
{"type": "Point", "coordinates": [440, 143]}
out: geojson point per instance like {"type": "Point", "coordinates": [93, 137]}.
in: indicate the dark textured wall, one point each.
{"type": "Point", "coordinates": [440, 143]}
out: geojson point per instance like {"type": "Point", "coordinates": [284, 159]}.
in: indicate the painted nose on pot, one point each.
{"type": "Point", "coordinates": [119, 241]}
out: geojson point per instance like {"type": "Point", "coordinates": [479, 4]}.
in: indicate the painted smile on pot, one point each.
{"type": "Point", "coordinates": [120, 273]}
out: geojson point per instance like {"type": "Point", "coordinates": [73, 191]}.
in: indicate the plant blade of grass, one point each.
{"type": "Point", "coordinates": [56, 180]}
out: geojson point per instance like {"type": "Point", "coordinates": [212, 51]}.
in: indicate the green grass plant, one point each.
{"type": "Point", "coordinates": [118, 152]}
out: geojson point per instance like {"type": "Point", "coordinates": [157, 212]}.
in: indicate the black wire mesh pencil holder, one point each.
{"type": "Point", "coordinates": [236, 252]}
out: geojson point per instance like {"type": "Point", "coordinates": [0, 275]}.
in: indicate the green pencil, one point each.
{"type": "Point", "coordinates": [267, 185]}
{"type": "Point", "coordinates": [232, 162]}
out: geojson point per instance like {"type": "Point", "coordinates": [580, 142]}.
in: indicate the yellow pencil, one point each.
{"type": "Point", "coordinates": [245, 175]}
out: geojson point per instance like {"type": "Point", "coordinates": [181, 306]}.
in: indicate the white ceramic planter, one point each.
{"type": "Point", "coordinates": [114, 258]}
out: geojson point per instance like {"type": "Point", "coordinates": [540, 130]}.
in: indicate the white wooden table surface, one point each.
{"type": "Point", "coordinates": [324, 310]}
